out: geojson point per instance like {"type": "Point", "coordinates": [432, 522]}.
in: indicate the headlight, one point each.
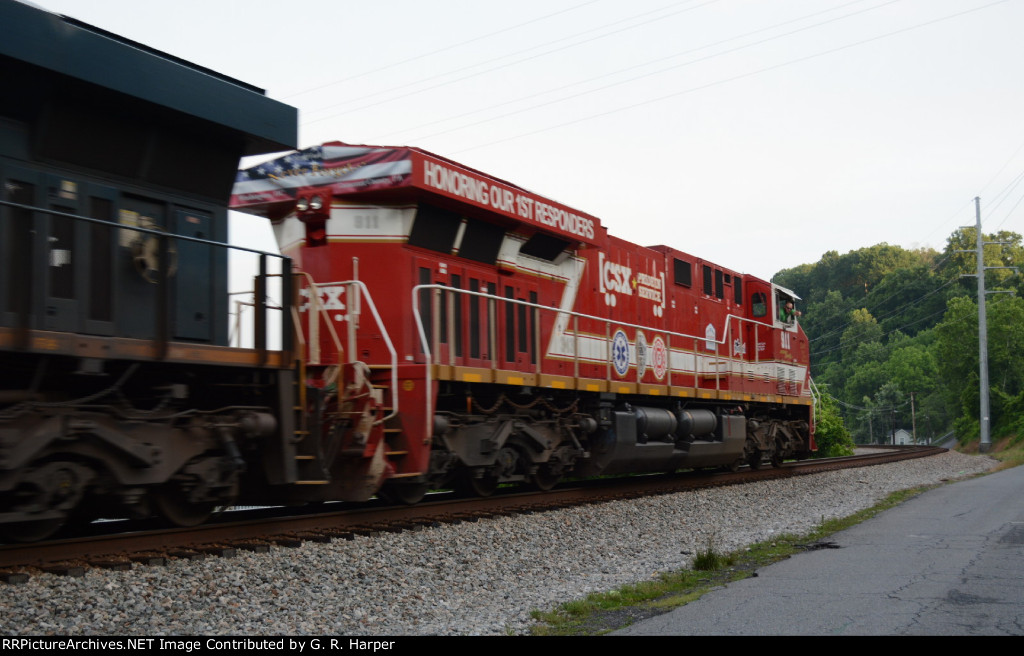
{"type": "Point", "coordinates": [316, 203]}
{"type": "Point", "coordinates": [302, 205]}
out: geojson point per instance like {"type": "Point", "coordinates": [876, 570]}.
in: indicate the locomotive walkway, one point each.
{"type": "Point", "coordinates": [949, 562]}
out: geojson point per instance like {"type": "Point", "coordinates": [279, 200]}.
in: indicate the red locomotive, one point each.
{"type": "Point", "coordinates": [437, 326]}
{"type": "Point", "coordinates": [459, 328]}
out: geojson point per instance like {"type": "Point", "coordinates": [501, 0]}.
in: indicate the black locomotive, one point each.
{"type": "Point", "coordinates": [119, 395]}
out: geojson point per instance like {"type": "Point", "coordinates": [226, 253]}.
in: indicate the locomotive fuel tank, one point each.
{"type": "Point", "coordinates": [650, 439]}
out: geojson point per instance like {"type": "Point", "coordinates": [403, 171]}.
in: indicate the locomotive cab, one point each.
{"type": "Point", "coordinates": [785, 314]}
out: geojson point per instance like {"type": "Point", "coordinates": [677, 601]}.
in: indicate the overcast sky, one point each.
{"type": "Point", "coordinates": [756, 133]}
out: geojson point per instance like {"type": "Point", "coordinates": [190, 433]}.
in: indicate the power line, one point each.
{"type": "Point", "coordinates": [440, 50]}
{"type": "Point", "coordinates": [506, 65]}
{"type": "Point", "coordinates": [878, 409]}
{"type": "Point", "coordinates": [856, 342]}
{"type": "Point", "coordinates": [730, 79]}
{"type": "Point", "coordinates": [934, 314]}
{"type": "Point", "coordinates": [636, 66]}
{"type": "Point", "coordinates": [891, 312]}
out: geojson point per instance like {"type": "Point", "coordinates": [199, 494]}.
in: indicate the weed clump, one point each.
{"type": "Point", "coordinates": [709, 560]}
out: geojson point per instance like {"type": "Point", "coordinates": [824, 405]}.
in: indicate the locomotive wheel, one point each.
{"type": "Point", "coordinates": [545, 478]}
{"type": "Point", "coordinates": [776, 457]}
{"type": "Point", "coordinates": [172, 504]}
{"type": "Point", "coordinates": [483, 486]}
{"type": "Point", "coordinates": [50, 491]}
{"type": "Point", "coordinates": [408, 493]}
{"type": "Point", "coordinates": [754, 459]}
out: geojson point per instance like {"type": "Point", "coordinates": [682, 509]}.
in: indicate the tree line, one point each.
{"type": "Point", "coordinates": [894, 336]}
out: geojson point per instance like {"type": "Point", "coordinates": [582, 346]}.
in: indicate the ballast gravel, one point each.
{"type": "Point", "coordinates": [480, 578]}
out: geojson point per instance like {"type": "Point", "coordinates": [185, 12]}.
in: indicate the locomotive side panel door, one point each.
{"type": "Point", "coordinates": [430, 308]}
{"type": "Point", "coordinates": [710, 351]}
{"type": "Point", "coordinates": [760, 336]}
{"type": "Point", "coordinates": [441, 311]}
{"type": "Point", "coordinates": [58, 270]}
{"type": "Point", "coordinates": [480, 317]}
{"type": "Point", "coordinates": [19, 277]}
{"type": "Point", "coordinates": [683, 305]}
{"type": "Point", "coordinates": [136, 262]}
{"type": "Point", "coordinates": [738, 344]}
{"type": "Point", "coordinates": [101, 282]}
{"type": "Point", "coordinates": [464, 329]}
{"type": "Point", "coordinates": [193, 301]}
{"type": "Point", "coordinates": [65, 253]}
{"type": "Point", "coordinates": [519, 333]}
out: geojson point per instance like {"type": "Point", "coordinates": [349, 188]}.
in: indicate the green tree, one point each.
{"type": "Point", "coordinates": [862, 331]}
{"type": "Point", "coordinates": [863, 381]}
{"type": "Point", "coordinates": [829, 430]}
{"type": "Point", "coordinates": [910, 299]}
{"type": "Point", "coordinates": [888, 324]}
{"type": "Point", "coordinates": [960, 258]}
{"type": "Point", "coordinates": [852, 274]}
{"type": "Point", "coordinates": [956, 348]}
{"type": "Point", "coordinates": [1006, 343]}
{"type": "Point", "coordinates": [824, 322]}
{"type": "Point", "coordinates": [913, 368]}
{"type": "Point", "coordinates": [892, 405]}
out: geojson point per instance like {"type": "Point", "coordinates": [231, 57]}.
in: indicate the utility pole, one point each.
{"type": "Point", "coordinates": [986, 438]}
{"type": "Point", "coordinates": [913, 417]}
{"type": "Point", "coordinates": [985, 421]}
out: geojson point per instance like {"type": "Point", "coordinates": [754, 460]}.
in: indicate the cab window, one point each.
{"type": "Point", "coordinates": [759, 304]}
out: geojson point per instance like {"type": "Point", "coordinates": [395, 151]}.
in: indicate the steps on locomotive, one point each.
{"type": "Point", "coordinates": [394, 437]}
{"type": "Point", "coordinates": [307, 465]}
{"type": "Point", "coordinates": [311, 469]}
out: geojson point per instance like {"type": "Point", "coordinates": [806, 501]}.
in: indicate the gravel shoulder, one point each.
{"type": "Point", "coordinates": [479, 578]}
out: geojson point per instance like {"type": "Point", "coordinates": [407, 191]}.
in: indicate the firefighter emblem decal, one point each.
{"type": "Point", "coordinates": [659, 357]}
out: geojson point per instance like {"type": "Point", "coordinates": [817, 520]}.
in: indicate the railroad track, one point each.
{"type": "Point", "coordinates": [258, 530]}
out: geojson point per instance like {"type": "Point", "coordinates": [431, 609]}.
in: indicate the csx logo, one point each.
{"type": "Point", "coordinates": [614, 277]}
{"type": "Point", "coordinates": [329, 297]}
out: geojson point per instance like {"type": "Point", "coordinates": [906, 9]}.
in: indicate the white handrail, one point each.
{"type": "Point", "coordinates": [727, 331]}
{"type": "Point", "coordinates": [383, 331]}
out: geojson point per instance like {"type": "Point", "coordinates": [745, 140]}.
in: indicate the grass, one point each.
{"type": "Point", "coordinates": [708, 560]}
{"type": "Point", "coordinates": [1009, 451]}
{"type": "Point", "coordinates": [601, 613]}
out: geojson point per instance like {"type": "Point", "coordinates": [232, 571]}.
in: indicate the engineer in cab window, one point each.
{"type": "Point", "coordinates": [789, 313]}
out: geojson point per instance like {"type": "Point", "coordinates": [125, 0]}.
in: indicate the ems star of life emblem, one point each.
{"type": "Point", "coordinates": [620, 353]}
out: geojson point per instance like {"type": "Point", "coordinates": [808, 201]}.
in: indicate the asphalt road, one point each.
{"type": "Point", "coordinates": [948, 562]}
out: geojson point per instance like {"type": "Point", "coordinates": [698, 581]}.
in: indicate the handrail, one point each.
{"type": "Point", "coordinates": [235, 333]}
{"type": "Point", "coordinates": [316, 312]}
{"type": "Point", "coordinates": [576, 316]}
{"type": "Point", "coordinates": [148, 231]}
{"type": "Point", "coordinates": [161, 293]}
{"type": "Point", "coordinates": [380, 324]}
{"type": "Point", "coordinates": [815, 392]}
